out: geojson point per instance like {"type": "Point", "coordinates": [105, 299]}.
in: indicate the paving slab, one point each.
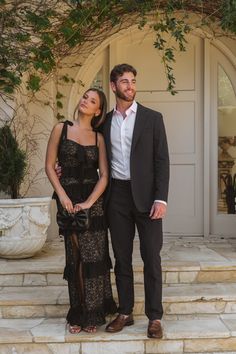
{"type": "Point", "coordinates": [206, 335]}
{"type": "Point", "coordinates": [55, 330]}
{"type": "Point", "coordinates": [177, 254]}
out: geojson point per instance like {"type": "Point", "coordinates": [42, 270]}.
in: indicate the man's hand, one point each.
{"type": "Point", "coordinates": [58, 170]}
{"type": "Point", "coordinates": [158, 211]}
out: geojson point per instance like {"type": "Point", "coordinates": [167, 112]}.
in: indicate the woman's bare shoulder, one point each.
{"type": "Point", "coordinates": [100, 138]}
{"type": "Point", "coordinates": [57, 129]}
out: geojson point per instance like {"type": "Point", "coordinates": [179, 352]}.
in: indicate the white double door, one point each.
{"type": "Point", "coordinates": [183, 117]}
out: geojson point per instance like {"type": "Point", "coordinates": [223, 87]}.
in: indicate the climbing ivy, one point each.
{"type": "Point", "coordinates": [36, 35]}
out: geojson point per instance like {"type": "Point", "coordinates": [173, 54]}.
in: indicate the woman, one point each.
{"type": "Point", "coordinates": [81, 151]}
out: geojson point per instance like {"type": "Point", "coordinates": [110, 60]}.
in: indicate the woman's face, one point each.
{"type": "Point", "coordinates": [89, 104]}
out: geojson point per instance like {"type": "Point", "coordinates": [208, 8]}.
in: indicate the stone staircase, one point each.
{"type": "Point", "coordinates": [199, 297]}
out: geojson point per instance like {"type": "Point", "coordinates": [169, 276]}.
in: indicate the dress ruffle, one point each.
{"type": "Point", "coordinates": [82, 317]}
{"type": "Point", "coordinates": [90, 269]}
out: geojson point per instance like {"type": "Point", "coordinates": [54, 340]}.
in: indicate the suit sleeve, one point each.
{"type": "Point", "coordinates": [161, 160]}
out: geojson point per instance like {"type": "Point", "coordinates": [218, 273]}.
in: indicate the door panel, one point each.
{"type": "Point", "coordinates": [184, 128]}
{"type": "Point", "coordinates": [181, 141]}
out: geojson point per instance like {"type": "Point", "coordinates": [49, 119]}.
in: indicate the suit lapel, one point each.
{"type": "Point", "coordinates": [140, 122]}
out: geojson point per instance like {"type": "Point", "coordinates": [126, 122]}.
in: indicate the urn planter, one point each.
{"type": "Point", "coordinates": [23, 226]}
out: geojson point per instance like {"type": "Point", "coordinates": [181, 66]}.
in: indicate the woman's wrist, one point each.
{"type": "Point", "coordinates": [88, 204]}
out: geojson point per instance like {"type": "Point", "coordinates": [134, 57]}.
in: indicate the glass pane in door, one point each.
{"type": "Point", "coordinates": [98, 80]}
{"type": "Point", "coordinates": [226, 144]}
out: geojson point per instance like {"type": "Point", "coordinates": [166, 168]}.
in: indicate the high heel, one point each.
{"type": "Point", "coordinates": [74, 329]}
{"type": "Point", "coordinates": [90, 329]}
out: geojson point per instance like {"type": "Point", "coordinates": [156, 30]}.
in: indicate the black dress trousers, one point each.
{"type": "Point", "coordinates": [122, 217]}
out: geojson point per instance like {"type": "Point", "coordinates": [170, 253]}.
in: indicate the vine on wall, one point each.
{"type": "Point", "coordinates": [37, 35]}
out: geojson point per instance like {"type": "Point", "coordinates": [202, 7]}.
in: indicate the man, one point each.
{"type": "Point", "coordinates": [137, 196]}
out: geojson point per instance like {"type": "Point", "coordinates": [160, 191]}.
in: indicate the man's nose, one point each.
{"type": "Point", "coordinates": [130, 84]}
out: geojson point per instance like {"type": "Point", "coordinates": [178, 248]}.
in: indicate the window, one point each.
{"type": "Point", "coordinates": [226, 144]}
{"type": "Point", "coordinates": [98, 80]}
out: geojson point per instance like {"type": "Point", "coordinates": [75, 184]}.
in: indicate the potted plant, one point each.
{"type": "Point", "coordinates": [23, 221]}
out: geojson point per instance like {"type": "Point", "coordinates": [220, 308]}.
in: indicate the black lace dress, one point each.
{"type": "Point", "coordinates": [88, 263]}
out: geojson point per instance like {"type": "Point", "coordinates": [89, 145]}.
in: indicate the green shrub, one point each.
{"type": "Point", "coordinates": [12, 163]}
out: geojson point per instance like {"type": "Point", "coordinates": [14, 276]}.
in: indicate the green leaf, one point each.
{"type": "Point", "coordinates": [60, 116]}
{"type": "Point", "coordinates": [169, 54]}
{"type": "Point", "coordinates": [59, 104]}
{"type": "Point", "coordinates": [65, 78]}
{"type": "Point", "coordinates": [40, 22]}
{"type": "Point", "coordinates": [67, 30]}
{"type": "Point", "coordinates": [44, 58]}
{"type": "Point", "coordinates": [34, 83]}
{"type": "Point", "coordinates": [8, 88]}
{"type": "Point", "coordinates": [48, 39]}
{"type": "Point", "coordinates": [22, 37]}
{"type": "Point", "coordinates": [59, 95]}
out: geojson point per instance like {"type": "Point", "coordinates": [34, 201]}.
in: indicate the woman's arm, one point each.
{"type": "Point", "coordinates": [51, 157]}
{"type": "Point", "coordinates": [103, 180]}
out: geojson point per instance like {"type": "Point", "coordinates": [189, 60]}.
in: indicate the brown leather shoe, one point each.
{"type": "Point", "coordinates": [119, 323]}
{"type": "Point", "coordinates": [154, 329]}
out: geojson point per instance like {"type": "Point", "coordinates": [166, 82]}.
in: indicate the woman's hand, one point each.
{"type": "Point", "coordinates": [67, 204]}
{"type": "Point", "coordinates": [80, 206]}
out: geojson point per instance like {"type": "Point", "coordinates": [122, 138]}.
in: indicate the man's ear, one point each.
{"type": "Point", "coordinates": [113, 86]}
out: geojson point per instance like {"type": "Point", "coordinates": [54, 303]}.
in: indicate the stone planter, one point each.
{"type": "Point", "coordinates": [23, 226]}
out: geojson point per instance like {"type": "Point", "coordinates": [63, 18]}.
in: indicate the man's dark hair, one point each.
{"type": "Point", "coordinates": [120, 69]}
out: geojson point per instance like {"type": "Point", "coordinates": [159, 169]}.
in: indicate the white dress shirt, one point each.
{"type": "Point", "coordinates": [121, 139]}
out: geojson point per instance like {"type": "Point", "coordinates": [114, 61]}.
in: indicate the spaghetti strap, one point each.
{"type": "Point", "coordinates": [96, 138]}
{"type": "Point", "coordinates": [64, 129]}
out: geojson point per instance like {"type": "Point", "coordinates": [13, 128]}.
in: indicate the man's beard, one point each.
{"type": "Point", "coordinates": [122, 96]}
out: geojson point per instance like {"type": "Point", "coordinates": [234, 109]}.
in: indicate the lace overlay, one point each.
{"type": "Point", "coordinates": [88, 263]}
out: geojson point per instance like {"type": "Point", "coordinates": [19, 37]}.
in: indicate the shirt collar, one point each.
{"type": "Point", "coordinates": [132, 108]}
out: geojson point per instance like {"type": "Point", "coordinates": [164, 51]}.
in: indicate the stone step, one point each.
{"type": "Point", "coordinates": [203, 335]}
{"type": "Point", "coordinates": [184, 261]}
{"type": "Point", "coordinates": [178, 300]}
{"type": "Point", "coordinates": [27, 275]}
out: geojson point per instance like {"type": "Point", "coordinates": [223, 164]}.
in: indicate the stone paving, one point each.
{"type": "Point", "coordinates": [199, 301]}
{"type": "Point", "coordinates": [182, 336]}
{"type": "Point", "coordinates": [178, 253]}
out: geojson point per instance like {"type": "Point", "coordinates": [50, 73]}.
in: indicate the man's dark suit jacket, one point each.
{"type": "Point", "coordinates": [149, 158]}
